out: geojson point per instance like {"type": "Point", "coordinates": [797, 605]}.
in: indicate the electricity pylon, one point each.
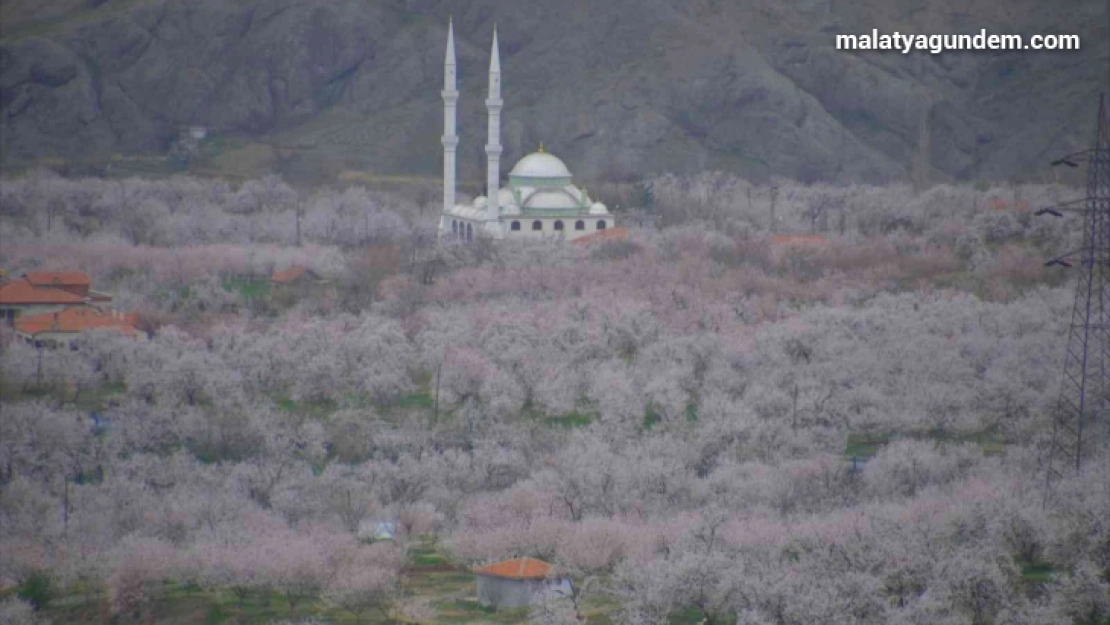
{"type": "Point", "coordinates": [1084, 402]}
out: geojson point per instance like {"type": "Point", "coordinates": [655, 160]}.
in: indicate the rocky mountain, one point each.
{"type": "Point", "coordinates": [621, 88]}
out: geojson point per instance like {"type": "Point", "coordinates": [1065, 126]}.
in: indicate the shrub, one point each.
{"type": "Point", "coordinates": [38, 590]}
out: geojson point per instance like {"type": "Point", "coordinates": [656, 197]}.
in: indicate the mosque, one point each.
{"type": "Point", "coordinates": [540, 201]}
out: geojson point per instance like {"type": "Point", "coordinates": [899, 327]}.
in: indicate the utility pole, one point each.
{"type": "Point", "coordinates": [773, 192]}
{"type": "Point", "coordinates": [65, 503]}
{"type": "Point", "coordinates": [435, 410]}
{"type": "Point", "coordinates": [1085, 394]}
{"type": "Point", "coordinates": [300, 215]}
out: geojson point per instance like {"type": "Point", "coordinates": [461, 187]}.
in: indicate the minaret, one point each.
{"type": "Point", "coordinates": [493, 142]}
{"type": "Point", "coordinates": [450, 139]}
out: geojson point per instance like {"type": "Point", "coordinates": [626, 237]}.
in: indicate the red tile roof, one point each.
{"type": "Point", "coordinates": [58, 278]}
{"type": "Point", "coordinates": [518, 568]}
{"type": "Point", "coordinates": [21, 291]}
{"type": "Point", "coordinates": [1001, 205]}
{"type": "Point", "coordinates": [619, 233]}
{"type": "Point", "coordinates": [77, 320]}
{"type": "Point", "coordinates": [797, 239]}
{"type": "Point", "coordinates": [289, 275]}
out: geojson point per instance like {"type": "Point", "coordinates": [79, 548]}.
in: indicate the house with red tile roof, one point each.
{"type": "Point", "coordinates": [298, 282]}
{"type": "Point", "coordinates": [39, 292]}
{"type": "Point", "coordinates": [294, 275]}
{"type": "Point", "coordinates": [513, 583]}
{"type": "Point", "coordinates": [619, 233]}
{"type": "Point", "coordinates": [61, 328]}
{"type": "Point", "coordinates": [20, 297]}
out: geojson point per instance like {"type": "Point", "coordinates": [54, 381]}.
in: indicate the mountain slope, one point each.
{"type": "Point", "coordinates": [623, 88]}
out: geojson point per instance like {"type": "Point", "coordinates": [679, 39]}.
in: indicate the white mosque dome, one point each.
{"type": "Point", "coordinates": [540, 165]}
{"type": "Point", "coordinates": [551, 199]}
{"type": "Point", "coordinates": [598, 209]}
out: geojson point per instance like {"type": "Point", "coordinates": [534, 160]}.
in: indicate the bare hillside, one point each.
{"type": "Point", "coordinates": [625, 88]}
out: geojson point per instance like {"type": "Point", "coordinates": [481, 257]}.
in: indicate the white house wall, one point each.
{"type": "Point", "coordinates": [504, 592]}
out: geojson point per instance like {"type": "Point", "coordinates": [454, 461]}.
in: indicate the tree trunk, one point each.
{"type": "Point", "coordinates": [435, 409]}
{"type": "Point", "coordinates": [300, 213]}
{"type": "Point", "coordinates": [794, 416]}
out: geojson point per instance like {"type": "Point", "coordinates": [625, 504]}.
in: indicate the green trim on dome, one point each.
{"type": "Point", "coordinates": [552, 212]}
{"type": "Point", "coordinates": [528, 181]}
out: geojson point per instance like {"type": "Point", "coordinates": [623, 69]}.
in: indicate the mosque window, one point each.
{"type": "Point", "coordinates": [559, 226]}
{"type": "Point", "coordinates": [515, 226]}
{"type": "Point", "coordinates": [537, 225]}
{"type": "Point", "coordinates": [579, 225]}
{"type": "Point", "coordinates": [454, 228]}
{"type": "Point", "coordinates": [601, 224]}
{"type": "Point", "coordinates": [469, 232]}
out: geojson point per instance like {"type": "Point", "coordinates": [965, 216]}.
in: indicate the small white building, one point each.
{"type": "Point", "coordinates": [541, 200]}
{"type": "Point", "coordinates": [375, 530]}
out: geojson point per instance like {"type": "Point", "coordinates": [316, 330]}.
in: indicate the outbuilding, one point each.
{"type": "Point", "coordinates": [513, 583]}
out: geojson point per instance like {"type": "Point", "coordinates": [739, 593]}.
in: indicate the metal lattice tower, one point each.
{"type": "Point", "coordinates": [1084, 403]}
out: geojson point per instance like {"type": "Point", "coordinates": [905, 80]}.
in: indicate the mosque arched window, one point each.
{"type": "Point", "coordinates": [601, 224]}
{"type": "Point", "coordinates": [515, 226]}
{"type": "Point", "coordinates": [537, 225]}
{"type": "Point", "coordinates": [579, 225]}
{"type": "Point", "coordinates": [469, 232]}
{"type": "Point", "coordinates": [559, 226]}
{"type": "Point", "coordinates": [454, 228]}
